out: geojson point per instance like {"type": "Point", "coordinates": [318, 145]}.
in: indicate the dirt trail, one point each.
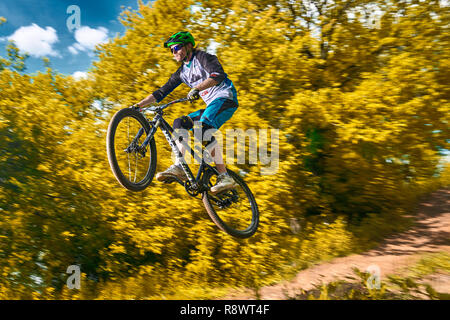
{"type": "Point", "coordinates": [431, 233]}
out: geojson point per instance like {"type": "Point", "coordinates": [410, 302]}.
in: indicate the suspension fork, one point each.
{"type": "Point", "coordinates": [132, 147]}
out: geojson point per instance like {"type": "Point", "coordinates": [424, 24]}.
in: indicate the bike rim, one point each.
{"type": "Point", "coordinates": [133, 164]}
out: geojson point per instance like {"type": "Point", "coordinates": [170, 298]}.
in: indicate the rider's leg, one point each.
{"type": "Point", "coordinates": [182, 150]}
{"type": "Point", "coordinates": [224, 181]}
{"type": "Point", "coordinates": [184, 123]}
{"type": "Point", "coordinates": [218, 160]}
{"type": "Point", "coordinates": [217, 113]}
{"type": "Point", "coordinates": [176, 170]}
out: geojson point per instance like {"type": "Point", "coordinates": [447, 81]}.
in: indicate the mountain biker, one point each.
{"type": "Point", "coordinates": [204, 74]}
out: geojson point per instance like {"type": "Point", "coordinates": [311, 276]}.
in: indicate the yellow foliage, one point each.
{"type": "Point", "coordinates": [362, 113]}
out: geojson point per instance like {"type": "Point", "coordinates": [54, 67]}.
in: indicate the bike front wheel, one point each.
{"type": "Point", "coordinates": [133, 166]}
{"type": "Point", "coordinates": [234, 211]}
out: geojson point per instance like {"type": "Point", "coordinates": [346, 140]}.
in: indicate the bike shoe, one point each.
{"type": "Point", "coordinates": [168, 176]}
{"type": "Point", "coordinates": [224, 182]}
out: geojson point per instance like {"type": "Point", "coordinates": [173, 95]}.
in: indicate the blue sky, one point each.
{"type": "Point", "coordinates": [40, 28]}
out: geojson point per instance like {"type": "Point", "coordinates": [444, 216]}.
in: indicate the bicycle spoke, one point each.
{"type": "Point", "coordinates": [128, 154]}
{"type": "Point", "coordinates": [136, 155]}
{"type": "Point", "coordinates": [233, 207]}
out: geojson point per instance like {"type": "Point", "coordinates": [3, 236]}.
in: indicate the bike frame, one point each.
{"type": "Point", "coordinates": [159, 122]}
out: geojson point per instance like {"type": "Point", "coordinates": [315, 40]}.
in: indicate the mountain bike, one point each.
{"type": "Point", "coordinates": [131, 148]}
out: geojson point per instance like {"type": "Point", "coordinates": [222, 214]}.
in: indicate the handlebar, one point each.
{"type": "Point", "coordinates": [162, 107]}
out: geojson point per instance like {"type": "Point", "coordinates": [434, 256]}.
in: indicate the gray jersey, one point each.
{"type": "Point", "coordinates": [201, 67]}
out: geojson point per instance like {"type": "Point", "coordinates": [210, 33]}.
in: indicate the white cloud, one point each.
{"type": "Point", "coordinates": [87, 38]}
{"type": "Point", "coordinates": [35, 40]}
{"type": "Point", "coordinates": [78, 75]}
{"type": "Point", "coordinates": [73, 50]}
{"type": "Point", "coordinates": [79, 47]}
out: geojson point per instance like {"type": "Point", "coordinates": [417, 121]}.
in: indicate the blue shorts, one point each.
{"type": "Point", "coordinates": [216, 113]}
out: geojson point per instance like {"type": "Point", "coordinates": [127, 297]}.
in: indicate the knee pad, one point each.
{"type": "Point", "coordinates": [184, 122]}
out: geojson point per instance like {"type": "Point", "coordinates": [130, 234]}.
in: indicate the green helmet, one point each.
{"type": "Point", "coordinates": [183, 37]}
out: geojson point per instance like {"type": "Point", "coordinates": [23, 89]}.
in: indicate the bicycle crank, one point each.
{"type": "Point", "coordinates": [190, 189]}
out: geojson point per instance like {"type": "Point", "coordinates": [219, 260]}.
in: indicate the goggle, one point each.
{"type": "Point", "coordinates": [176, 48]}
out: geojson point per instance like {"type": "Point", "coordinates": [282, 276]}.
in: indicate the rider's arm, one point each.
{"type": "Point", "coordinates": [208, 83]}
{"type": "Point", "coordinates": [162, 92]}
{"type": "Point", "coordinates": [148, 100]}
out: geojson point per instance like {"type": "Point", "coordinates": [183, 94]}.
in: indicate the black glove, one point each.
{"type": "Point", "coordinates": [193, 94]}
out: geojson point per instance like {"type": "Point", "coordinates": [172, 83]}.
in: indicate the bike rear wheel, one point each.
{"type": "Point", "coordinates": [234, 211]}
{"type": "Point", "coordinates": [133, 167]}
